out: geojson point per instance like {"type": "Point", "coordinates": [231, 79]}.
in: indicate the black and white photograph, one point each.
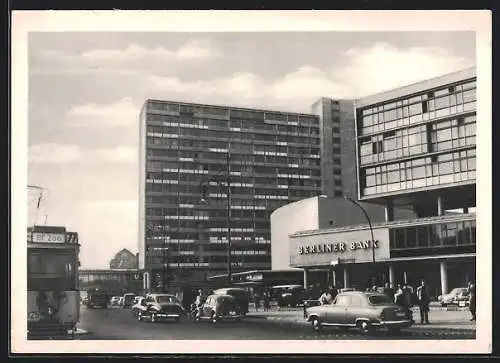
{"type": "Point", "coordinates": [240, 181]}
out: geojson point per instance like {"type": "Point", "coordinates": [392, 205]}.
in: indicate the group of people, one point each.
{"type": "Point", "coordinates": [265, 298]}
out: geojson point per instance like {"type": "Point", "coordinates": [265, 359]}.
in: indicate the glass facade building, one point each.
{"type": "Point", "coordinates": [419, 141]}
{"type": "Point", "coordinates": [271, 158]}
{"type": "Point", "coordinates": [416, 147]}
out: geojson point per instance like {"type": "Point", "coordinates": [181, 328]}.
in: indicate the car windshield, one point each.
{"type": "Point", "coordinates": [166, 299]}
{"type": "Point", "coordinates": [379, 300]}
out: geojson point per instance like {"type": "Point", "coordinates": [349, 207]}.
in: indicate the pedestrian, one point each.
{"type": "Point", "coordinates": [266, 298]}
{"type": "Point", "coordinates": [389, 291]}
{"type": "Point", "coordinates": [326, 298]}
{"type": "Point", "coordinates": [472, 300]}
{"type": "Point", "coordinates": [256, 300]}
{"type": "Point", "coordinates": [423, 299]}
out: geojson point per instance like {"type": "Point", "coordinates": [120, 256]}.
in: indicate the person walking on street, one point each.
{"type": "Point", "coordinates": [472, 300]}
{"type": "Point", "coordinates": [326, 298]}
{"type": "Point", "coordinates": [266, 298]}
{"type": "Point", "coordinates": [389, 291]}
{"type": "Point", "coordinates": [423, 299]}
{"type": "Point", "coordinates": [256, 300]}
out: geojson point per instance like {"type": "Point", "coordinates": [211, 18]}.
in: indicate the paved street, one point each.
{"type": "Point", "coordinates": [116, 323]}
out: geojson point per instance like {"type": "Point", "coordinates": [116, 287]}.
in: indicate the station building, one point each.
{"type": "Point", "coordinates": [415, 149]}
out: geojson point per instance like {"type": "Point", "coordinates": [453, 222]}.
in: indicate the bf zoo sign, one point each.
{"type": "Point", "coordinates": [337, 247]}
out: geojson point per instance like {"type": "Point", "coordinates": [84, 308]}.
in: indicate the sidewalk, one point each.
{"type": "Point", "coordinates": [439, 318]}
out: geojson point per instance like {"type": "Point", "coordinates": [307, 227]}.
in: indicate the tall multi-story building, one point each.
{"type": "Point", "coordinates": [271, 158]}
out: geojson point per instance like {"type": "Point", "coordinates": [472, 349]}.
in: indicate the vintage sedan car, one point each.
{"type": "Point", "coordinates": [364, 310]}
{"type": "Point", "coordinates": [137, 305]}
{"type": "Point", "coordinates": [454, 296]}
{"type": "Point", "coordinates": [114, 301]}
{"type": "Point", "coordinates": [219, 307]}
{"type": "Point", "coordinates": [241, 295]}
{"type": "Point", "coordinates": [158, 307]}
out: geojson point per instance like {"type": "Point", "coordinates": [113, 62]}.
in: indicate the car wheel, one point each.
{"type": "Point", "coordinates": [139, 316]}
{"type": "Point", "coordinates": [316, 324]}
{"type": "Point", "coordinates": [214, 319]}
{"type": "Point", "coordinates": [365, 327]}
{"type": "Point", "coordinates": [154, 318]}
{"type": "Point", "coordinates": [197, 319]}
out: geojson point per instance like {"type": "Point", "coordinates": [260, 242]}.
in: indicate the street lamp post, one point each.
{"type": "Point", "coordinates": [369, 224]}
{"type": "Point", "coordinates": [227, 180]}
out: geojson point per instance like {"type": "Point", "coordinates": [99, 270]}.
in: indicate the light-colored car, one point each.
{"type": "Point", "coordinates": [364, 310]}
{"type": "Point", "coordinates": [121, 300]}
{"type": "Point", "coordinates": [158, 307]}
{"type": "Point", "coordinates": [115, 300]}
{"type": "Point", "coordinates": [137, 306]}
{"type": "Point", "coordinates": [454, 296]}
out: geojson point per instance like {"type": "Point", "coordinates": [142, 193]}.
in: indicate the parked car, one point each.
{"type": "Point", "coordinates": [242, 297]}
{"type": "Point", "coordinates": [128, 300]}
{"type": "Point", "coordinates": [120, 301]}
{"type": "Point", "coordinates": [219, 308]}
{"type": "Point", "coordinates": [462, 299]}
{"type": "Point", "coordinates": [291, 296]}
{"type": "Point", "coordinates": [115, 300]}
{"type": "Point", "coordinates": [364, 310]}
{"type": "Point", "coordinates": [97, 298]}
{"type": "Point", "coordinates": [157, 307]}
{"type": "Point", "coordinates": [452, 296]}
{"type": "Point", "coordinates": [137, 306]}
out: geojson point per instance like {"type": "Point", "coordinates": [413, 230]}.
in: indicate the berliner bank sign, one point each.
{"type": "Point", "coordinates": [322, 248]}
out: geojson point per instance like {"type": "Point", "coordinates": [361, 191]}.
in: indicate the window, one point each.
{"type": "Point", "coordinates": [377, 147]}
{"type": "Point", "coordinates": [379, 300]}
{"type": "Point", "coordinates": [49, 270]}
{"type": "Point", "coordinates": [342, 300]}
{"type": "Point", "coordinates": [356, 300]}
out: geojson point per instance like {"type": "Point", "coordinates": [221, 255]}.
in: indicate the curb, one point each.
{"type": "Point", "coordinates": [416, 326]}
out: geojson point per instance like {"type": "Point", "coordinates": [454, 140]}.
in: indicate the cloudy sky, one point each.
{"type": "Point", "coordinates": [86, 90]}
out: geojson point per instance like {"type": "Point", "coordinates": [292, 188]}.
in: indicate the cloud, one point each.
{"type": "Point", "coordinates": [383, 66]}
{"type": "Point", "coordinates": [121, 154]}
{"type": "Point", "coordinates": [364, 71]}
{"type": "Point", "coordinates": [53, 153]}
{"type": "Point", "coordinates": [119, 114]}
{"type": "Point", "coordinates": [115, 225]}
{"type": "Point", "coordinates": [194, 49]}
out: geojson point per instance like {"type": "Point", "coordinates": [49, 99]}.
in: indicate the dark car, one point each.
{"type": "Point", "coordinates": [97, 298]}
{"type": "Point", "coordinates": [219, 308]}
{"type": "Point", "coordinates": [290, 295]}
{"type": "Point", "coordinates": [364, 310]}
{"type": "Point", "coordinates": [242, 297]}
{"type": "Point", "coordinates": [158, 307]}
{"type": "Point", "coordinates": [128, 300]}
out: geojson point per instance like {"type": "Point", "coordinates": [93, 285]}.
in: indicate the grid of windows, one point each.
{"type": "Point", "coordinates": [425, 140]}
{"type": "Point", "coordinates": [444, 102]}
{"type": "Point", "coordinates": [439, 235]}
{"type": "Point", "coordinates": [422, 172]}
{"type": "Point", "coordinates": [407, 142]}
{"type": "Point", "coordinates": [274, 159]}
